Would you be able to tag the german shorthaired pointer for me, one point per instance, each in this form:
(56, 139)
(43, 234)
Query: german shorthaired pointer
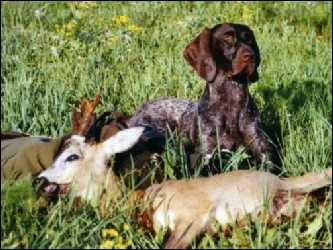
(227, 57)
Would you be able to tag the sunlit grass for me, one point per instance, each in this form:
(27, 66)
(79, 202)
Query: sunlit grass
(52, 54)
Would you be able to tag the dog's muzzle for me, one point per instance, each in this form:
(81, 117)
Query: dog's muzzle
(245, 64)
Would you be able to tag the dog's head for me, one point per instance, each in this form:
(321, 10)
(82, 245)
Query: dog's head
(229, 47)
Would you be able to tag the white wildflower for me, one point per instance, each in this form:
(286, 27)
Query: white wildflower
(54, 51)
(38, 13)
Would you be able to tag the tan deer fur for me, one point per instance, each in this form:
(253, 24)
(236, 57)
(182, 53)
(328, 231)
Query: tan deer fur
(186, 208)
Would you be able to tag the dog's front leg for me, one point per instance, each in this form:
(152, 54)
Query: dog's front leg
(254, 137)
(255, 140)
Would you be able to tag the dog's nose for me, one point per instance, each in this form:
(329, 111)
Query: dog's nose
(248, 56)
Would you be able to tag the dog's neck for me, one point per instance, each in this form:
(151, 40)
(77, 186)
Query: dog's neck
(224, 89)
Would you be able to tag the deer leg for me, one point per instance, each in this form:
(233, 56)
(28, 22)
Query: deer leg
(184, 234)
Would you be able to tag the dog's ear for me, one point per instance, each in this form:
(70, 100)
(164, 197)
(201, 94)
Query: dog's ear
(198, 54)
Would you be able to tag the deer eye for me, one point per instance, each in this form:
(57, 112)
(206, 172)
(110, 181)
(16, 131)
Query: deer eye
(73, 157)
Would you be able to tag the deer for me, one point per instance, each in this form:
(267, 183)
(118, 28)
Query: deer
(86, 124)
(186, 207)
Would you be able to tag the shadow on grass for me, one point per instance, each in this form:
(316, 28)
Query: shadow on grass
(295, 97)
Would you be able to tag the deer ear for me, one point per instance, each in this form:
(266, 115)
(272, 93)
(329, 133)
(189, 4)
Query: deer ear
(198, 54)
(122, 141)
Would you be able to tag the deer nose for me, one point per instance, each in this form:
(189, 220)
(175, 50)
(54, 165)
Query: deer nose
(41, 184)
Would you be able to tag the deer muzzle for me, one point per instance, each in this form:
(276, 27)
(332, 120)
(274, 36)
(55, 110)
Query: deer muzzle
(48, 189)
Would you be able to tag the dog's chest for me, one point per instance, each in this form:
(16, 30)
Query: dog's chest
(224, 100)
(230, 94)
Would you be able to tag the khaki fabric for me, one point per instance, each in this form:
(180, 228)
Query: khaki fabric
(26, 156)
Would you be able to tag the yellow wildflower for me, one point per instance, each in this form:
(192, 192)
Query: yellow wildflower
(126, 227)
(71, 25)
(123, 19)
(129, 243)
(141, 231)
(120, 19)
(121, 246)
(69, 34)
(113, 39)
(109, 232)
(120, 239)
(109, 41)
(57, 28)
(67, 29)
(134, 28)
(107, 244)
(113, 232)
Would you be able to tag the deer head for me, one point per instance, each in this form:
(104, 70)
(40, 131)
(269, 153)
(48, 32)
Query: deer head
(83, 166)
(82, 163)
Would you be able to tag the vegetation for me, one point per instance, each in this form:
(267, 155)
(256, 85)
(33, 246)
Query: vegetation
(52, 54)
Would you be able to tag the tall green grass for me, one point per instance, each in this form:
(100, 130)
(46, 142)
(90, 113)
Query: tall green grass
(45, 71)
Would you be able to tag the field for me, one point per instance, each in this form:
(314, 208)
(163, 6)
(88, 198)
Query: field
(52, 54)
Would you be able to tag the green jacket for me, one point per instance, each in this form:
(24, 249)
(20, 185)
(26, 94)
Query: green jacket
(23, 155)
(26, 156)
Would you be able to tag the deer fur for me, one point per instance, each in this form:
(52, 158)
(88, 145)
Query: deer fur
(190, 207)
(186, 208)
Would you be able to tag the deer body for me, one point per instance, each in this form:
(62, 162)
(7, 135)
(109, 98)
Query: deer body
(241, 192)
(189, 207)
(186, 207)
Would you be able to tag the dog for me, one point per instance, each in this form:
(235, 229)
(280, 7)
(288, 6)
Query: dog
(227, 57)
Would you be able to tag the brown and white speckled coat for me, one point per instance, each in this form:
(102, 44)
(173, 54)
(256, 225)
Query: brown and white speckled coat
(227, 57)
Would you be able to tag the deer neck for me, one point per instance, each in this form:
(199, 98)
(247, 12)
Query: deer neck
(143, 212)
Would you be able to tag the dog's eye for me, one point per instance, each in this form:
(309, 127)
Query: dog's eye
(228, 38)
(229, 33)
(73, 157)
(246, 37)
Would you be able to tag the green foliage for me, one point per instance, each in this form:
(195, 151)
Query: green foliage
(54, 53)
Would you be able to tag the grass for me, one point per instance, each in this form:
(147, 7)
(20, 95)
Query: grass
(54, 53)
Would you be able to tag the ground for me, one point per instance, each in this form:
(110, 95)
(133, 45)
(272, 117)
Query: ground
(54, 53)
